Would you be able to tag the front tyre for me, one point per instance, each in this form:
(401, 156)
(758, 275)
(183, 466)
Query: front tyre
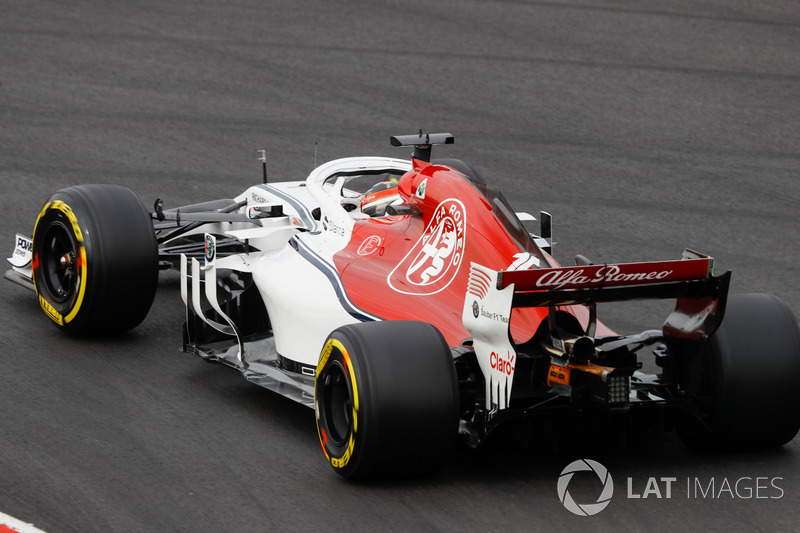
(386, 399)
(95, 259)
(752, 378)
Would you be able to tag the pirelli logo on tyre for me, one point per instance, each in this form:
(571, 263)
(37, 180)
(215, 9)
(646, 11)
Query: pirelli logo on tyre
(50, 311)
(434, 260)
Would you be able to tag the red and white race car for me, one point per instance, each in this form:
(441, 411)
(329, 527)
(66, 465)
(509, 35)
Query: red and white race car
(407, 303)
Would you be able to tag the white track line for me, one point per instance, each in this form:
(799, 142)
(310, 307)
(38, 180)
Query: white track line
(18, 525)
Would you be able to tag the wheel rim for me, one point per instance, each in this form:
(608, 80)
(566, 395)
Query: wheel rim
(60, 255)
(337, 404)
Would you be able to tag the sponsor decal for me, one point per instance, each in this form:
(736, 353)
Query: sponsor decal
(257, 198)
(433, 262)
(333, 227)
(556, 279)
(608, 275)
(24, 244)
(492, 316)
(370, 245)
(476, 309)
(503, 364)
(421, 189)
(23, 251)
(211, 248)
(585, 509)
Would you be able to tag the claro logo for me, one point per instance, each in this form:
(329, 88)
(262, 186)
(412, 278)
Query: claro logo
(432, 263)
(504, 365)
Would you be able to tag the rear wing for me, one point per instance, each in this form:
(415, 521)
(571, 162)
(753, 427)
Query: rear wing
(491, 295)
(685, 278)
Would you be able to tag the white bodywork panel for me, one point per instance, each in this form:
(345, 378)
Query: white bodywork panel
(294, 270)
(302, 304)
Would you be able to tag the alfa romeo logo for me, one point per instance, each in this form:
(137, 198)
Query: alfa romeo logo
(476, 309)
(585, 509)
(434, 261)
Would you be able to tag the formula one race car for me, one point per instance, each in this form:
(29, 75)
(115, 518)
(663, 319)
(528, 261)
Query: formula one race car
(407, 303)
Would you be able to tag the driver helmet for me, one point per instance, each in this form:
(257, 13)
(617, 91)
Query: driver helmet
(378, 197)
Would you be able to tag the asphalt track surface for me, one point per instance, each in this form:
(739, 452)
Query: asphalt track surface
(644, 127)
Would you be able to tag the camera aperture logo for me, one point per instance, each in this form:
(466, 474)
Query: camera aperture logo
(585, 509)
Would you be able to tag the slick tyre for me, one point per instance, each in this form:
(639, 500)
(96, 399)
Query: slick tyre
(95, 259)
(752, 372)
(386, 400)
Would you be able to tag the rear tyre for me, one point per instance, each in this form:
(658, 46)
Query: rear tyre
(752, 377)
(95, 259)
(386, 400)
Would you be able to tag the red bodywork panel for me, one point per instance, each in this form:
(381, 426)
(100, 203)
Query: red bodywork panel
(416, 267)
